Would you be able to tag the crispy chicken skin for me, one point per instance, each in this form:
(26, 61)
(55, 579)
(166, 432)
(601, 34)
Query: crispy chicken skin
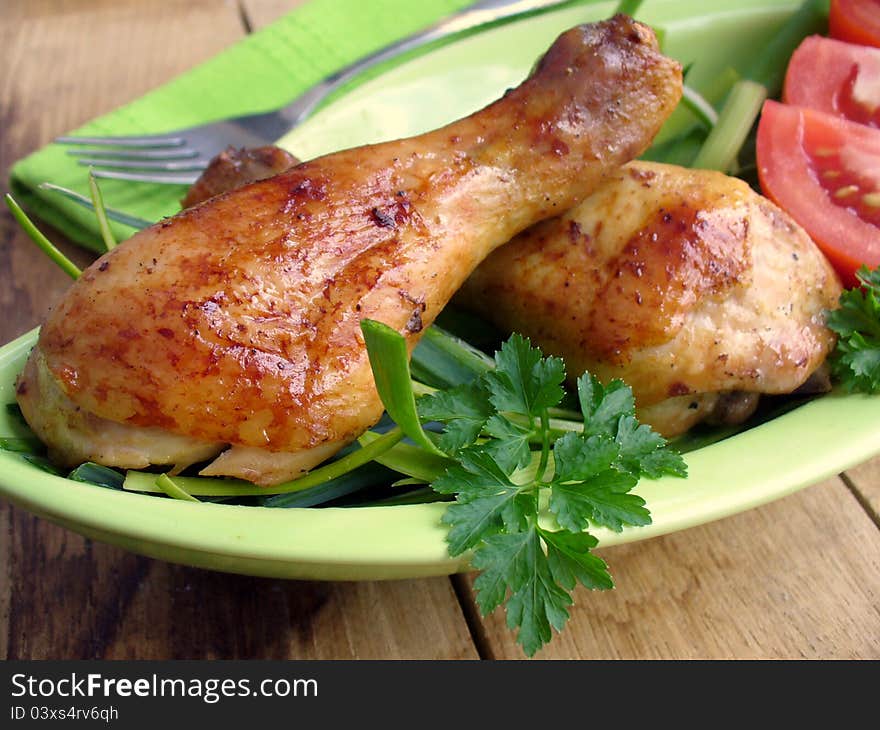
(233, 168)
(237, 321)
(684, 283)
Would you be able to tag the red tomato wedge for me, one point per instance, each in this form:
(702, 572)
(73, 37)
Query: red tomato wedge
(856, 21)
(835, 77)
(825, 172)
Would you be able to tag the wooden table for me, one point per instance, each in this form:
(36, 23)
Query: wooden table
(797, 578)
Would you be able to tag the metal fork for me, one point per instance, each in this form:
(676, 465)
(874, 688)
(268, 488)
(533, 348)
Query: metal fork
(178, 157)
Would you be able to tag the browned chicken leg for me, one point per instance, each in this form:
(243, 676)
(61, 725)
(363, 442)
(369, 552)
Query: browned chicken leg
(237, 322)
(684, 283)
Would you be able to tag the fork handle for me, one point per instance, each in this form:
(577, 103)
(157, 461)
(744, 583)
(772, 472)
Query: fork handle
(473, 16)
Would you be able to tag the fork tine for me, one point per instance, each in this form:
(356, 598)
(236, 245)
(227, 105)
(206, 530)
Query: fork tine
(145, 140)
(169, 165)
(174, 153)
(167, 178)
(112, 213)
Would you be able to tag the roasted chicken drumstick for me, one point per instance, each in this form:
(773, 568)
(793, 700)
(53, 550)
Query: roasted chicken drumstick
(692, 288)
(541, 285)
(236, 323)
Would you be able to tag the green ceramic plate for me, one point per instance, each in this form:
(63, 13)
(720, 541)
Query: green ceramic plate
(760, 465)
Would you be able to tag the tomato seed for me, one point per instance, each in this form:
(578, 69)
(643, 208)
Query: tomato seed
(846, 190)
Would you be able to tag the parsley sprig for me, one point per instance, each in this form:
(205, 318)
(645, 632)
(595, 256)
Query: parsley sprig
(526, 492)
(856, 361)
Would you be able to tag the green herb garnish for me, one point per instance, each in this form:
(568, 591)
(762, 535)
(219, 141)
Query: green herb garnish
(60, 260)
(111, 213)
(329, 471)
(738, 115)
(856, 360)
(101, 213)
(20, 445)
(628, 7)
(172, 489)
(101, 476)
(729, 132)
(503, 487)
(394, 384)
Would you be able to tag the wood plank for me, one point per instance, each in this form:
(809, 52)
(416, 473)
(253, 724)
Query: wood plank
(86, 600)
(7, 520)
(188, 613)
(798, 578)
(62, 596)
(865, 480)
(259, 13)
(103, 53)
(85, 79)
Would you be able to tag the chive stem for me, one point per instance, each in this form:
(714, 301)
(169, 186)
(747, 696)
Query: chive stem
(136, 481)
(545, 445)
(167, 485)
(408, 459)
(443, 360)
(101, 213)
(720, 150)
(628, 7)
(64, 263)
(389, 360)
(767, 70)
(770, 65)
(420, 389)
(113, 214)
(699, 107)
(20, 445)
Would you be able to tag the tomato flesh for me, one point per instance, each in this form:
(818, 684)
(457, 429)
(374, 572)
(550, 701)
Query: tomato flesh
(856, 21)
(845, 187)
(848, 85)
(825, 172)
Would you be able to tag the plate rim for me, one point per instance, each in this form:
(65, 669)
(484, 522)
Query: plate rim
(409, 540)
(153, 522)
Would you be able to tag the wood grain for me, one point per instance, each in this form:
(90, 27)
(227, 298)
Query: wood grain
(188, 613)
(108, 604)
(865, 483)
(7, 522)
(62, 596)
(65, 62)
(259, 13)
(799, 578)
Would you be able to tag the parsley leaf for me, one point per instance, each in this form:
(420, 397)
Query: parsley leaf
(603, 406)
(571, 561)
(856, 361)
(642, 451)
(464, 409)
(523, 381)
(602, 500)
(594, 475)
(510, 460)
(487, 501)
(517, 563)
(510, 443)
(578, 457)
(492, 424)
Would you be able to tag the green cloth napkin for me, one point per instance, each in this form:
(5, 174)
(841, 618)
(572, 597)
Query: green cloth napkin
(263, 71)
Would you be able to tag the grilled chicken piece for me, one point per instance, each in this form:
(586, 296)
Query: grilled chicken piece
(233, 168)
(684, 283)
(237, 321)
